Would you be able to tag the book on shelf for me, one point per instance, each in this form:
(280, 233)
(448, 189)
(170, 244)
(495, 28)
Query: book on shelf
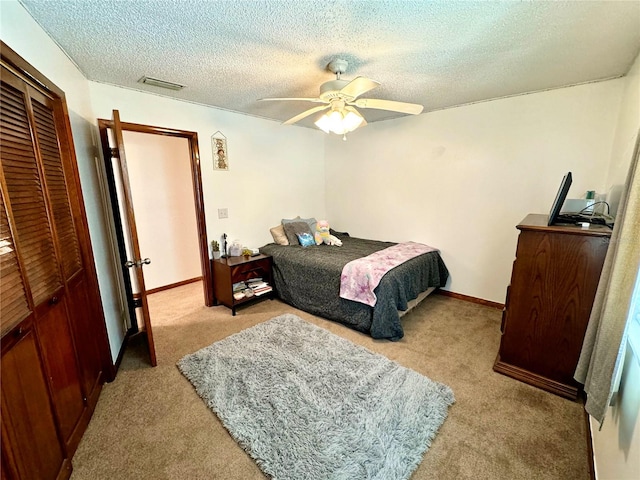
(248, 288)
(239, 286)
(262, 290)
(258, 286)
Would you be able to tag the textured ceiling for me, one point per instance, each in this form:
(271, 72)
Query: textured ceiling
(439, 54)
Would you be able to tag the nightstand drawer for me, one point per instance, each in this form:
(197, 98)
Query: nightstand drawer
(252, 269)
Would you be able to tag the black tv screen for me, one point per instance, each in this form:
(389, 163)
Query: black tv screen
(560, 198)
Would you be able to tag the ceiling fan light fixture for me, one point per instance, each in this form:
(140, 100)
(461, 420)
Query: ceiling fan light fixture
(323, 123)
(352, 121)
(339, 122)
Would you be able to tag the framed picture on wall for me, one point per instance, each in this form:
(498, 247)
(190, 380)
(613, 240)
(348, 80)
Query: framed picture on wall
(220, 152)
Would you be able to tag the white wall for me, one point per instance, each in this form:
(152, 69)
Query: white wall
(159, 169)
(21, 33)
(616, 447)
(461, 179)
(274, 172)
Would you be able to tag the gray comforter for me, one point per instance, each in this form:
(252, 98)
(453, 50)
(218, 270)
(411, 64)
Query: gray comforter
(309, 279)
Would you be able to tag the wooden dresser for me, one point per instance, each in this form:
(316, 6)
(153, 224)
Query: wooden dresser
(549, 300)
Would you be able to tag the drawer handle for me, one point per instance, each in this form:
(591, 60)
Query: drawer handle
(18, 333)
(54, 300)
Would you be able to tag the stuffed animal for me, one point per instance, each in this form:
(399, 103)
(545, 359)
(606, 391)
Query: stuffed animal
(323, 235)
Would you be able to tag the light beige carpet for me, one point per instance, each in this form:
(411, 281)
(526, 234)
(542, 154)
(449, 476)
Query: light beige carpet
(151, 424)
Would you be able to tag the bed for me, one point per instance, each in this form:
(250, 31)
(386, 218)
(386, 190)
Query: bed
(308, 278)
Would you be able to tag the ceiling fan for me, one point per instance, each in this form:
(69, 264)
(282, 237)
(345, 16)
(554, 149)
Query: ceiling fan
(340, 98)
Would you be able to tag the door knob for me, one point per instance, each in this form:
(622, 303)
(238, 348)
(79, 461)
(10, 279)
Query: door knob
(137, 263)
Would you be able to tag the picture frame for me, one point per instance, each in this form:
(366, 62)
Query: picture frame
(220, 151)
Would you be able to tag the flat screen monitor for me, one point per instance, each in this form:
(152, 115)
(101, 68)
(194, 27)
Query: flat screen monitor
(560, 198)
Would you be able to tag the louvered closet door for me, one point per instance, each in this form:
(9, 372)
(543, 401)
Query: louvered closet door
(39, 205)
(56, 183)
(60, 192)
(27, 417)
(25, 193)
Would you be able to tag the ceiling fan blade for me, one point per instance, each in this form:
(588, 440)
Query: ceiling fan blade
(314, 100)
(305, 114)
(393, 106)
(358, 86)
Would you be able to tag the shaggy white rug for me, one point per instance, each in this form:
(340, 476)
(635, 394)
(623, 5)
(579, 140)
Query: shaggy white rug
(307, 404)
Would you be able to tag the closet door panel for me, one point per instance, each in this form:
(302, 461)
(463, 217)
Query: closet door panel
(24, 188)
(60, 364)
(27, 417)
(54, 174)
(57, 169)
(86, 341)
(55, 329)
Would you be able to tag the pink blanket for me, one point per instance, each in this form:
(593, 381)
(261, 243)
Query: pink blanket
(360, 277)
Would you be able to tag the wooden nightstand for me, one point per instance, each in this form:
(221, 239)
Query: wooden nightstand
(231, 270)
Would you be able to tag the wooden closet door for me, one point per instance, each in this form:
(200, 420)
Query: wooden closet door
(55, 349)
(31, 446)
(57, 169)
(38, 208)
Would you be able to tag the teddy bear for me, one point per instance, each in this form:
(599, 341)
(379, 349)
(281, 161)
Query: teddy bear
(323, 235)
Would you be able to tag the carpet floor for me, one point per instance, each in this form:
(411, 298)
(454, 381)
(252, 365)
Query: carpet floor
(151, 424)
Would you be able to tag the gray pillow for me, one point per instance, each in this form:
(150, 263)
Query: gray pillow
(311, 221)
(292, 229)
(312, 224)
